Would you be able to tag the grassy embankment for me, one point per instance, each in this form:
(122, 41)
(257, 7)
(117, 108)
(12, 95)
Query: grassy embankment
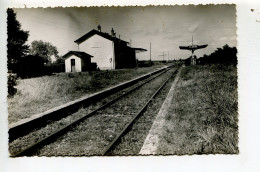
(93, 129)
(203, 118)
(37, 95)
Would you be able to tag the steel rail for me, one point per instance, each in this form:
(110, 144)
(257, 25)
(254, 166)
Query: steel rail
(40, 120)
(144, 108)
(52, 137)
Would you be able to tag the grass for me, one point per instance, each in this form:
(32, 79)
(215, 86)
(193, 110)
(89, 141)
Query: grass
(37, 95)
(203, 118)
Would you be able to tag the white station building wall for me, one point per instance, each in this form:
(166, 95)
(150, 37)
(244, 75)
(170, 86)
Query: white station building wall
(102, 51)
(77, 63)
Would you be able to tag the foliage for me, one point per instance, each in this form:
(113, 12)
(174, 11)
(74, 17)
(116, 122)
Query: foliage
(59, 60)
(16, 48)
(11, 85)
(225, 55)
(31, 66)
(145, 63)
(55, 67)
(44, 50)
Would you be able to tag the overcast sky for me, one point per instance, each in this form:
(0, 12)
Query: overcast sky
(166, 27)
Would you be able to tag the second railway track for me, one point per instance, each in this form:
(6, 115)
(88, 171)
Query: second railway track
(90, 134)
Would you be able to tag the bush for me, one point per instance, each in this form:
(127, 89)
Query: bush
(54, 68)
(11, 84)
(31, 66)
(145, 63)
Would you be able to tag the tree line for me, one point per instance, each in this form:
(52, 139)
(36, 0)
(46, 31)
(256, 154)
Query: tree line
(225, 55)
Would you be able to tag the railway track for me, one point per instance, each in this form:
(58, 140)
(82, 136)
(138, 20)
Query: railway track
(26, 150)
(25, 126)
(128, 126)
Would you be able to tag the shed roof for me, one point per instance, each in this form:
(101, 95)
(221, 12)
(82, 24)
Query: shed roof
(79, 54)
(104, 35)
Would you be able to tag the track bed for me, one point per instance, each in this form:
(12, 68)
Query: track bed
(96, 132)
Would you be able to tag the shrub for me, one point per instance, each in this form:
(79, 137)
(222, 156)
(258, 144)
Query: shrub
(145, 63)
(11, 84)
(31, 66)
(54, 68)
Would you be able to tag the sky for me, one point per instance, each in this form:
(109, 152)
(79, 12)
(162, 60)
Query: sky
(165, 27)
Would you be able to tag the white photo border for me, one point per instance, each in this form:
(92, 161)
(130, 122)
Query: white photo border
(248, 41)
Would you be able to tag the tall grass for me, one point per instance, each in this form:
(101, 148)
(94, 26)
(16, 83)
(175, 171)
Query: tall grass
(203, 118)
(37, 95)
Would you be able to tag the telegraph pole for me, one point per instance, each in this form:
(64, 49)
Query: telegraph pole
(163, 56)
(150, 51)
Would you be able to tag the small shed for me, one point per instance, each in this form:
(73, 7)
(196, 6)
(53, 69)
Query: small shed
(77, 61)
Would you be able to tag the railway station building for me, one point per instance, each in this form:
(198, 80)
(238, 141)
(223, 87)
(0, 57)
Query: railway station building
(107, 51)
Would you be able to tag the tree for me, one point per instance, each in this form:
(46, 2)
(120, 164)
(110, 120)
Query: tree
(224, 55)
(16, 48)
(44, 50)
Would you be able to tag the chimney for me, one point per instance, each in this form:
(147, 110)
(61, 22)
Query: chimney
(99, 28)
(113, 32)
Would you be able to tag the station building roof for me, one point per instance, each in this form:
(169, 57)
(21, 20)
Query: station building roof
(104, 35)
(79, 54)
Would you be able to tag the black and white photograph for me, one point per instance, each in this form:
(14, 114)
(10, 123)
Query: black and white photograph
(122, 81)
(129, 85)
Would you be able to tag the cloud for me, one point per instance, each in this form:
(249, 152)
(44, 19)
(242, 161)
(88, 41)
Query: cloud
(165, 27)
